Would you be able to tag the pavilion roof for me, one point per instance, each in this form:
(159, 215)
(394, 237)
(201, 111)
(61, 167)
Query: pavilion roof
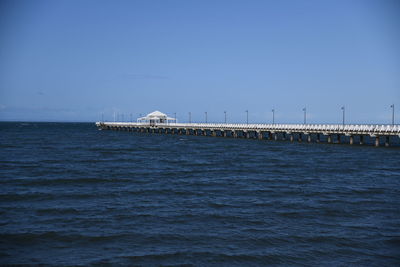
(156, 115)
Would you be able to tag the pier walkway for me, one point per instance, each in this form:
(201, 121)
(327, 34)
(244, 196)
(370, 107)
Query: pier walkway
(330, 133)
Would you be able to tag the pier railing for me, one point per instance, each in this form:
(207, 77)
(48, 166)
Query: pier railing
(366, 129)
(261, 130)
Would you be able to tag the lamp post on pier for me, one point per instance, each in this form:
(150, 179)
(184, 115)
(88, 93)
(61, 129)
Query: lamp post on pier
(392, 106)
(131, 117)
(273, 116)
(247, 117)
(305, 115)
(225, 116)
(175, 116)
(190, 117)
(206, 116)
(344, 111)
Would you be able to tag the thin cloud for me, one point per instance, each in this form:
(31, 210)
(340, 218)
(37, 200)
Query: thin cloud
(144, 77)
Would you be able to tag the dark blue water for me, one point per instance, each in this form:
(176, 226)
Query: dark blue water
(73, 195)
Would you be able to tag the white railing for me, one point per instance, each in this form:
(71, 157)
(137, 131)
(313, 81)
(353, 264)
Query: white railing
(306, 128)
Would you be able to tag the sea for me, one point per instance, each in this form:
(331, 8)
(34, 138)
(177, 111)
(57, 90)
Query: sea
(71, 195)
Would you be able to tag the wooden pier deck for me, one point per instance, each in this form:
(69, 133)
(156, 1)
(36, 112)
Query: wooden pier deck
(330, 133)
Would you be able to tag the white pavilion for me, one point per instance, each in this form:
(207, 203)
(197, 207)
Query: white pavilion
(156, 117)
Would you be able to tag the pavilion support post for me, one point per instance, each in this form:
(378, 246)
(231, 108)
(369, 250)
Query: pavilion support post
(276, 137)
(309, 138)
(291, 138)
(235, 134)
(351, 139)
(260, 135)
(270, 134)
(361, 139)
(214, 133)
(377, 142)
(329, 139)
(387, 139)
(300, 139)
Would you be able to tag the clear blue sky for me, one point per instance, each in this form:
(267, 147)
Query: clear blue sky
(74, 60)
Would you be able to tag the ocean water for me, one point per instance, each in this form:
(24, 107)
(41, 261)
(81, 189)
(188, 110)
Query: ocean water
(73, 195)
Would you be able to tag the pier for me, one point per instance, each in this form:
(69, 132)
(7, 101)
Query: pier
(160, 123)
(329, 133)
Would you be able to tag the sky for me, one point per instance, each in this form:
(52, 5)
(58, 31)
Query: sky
(84, 60)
